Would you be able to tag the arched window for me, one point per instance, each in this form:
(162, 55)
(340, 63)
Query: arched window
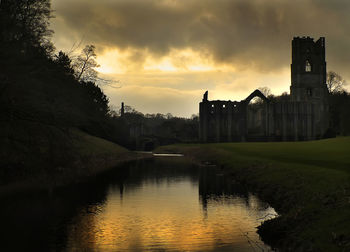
(307, 66)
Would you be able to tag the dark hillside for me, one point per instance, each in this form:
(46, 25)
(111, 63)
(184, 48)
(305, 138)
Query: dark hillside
(39, 106)
(44, 108)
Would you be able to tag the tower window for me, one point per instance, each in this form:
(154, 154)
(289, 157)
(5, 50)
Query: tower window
(307, 66)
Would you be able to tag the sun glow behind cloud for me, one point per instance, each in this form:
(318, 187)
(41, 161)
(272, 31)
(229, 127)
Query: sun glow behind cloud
(114, 61)
(176, 82)
(163, 66)
(176, 47)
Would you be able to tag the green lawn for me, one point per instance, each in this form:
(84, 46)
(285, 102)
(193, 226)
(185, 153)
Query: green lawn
(88, 145)
(307, 182)
(330, 153)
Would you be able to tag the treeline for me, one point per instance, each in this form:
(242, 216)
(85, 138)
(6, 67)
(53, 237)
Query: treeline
(145, 132)
(43, 88)
(43, 98)
(37, 85)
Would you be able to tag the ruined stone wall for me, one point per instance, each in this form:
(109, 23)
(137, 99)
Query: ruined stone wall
(227, 121)
(304, 117)
(294, 121)
(221, 121)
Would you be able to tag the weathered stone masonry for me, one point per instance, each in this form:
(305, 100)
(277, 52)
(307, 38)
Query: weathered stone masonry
(304, 116)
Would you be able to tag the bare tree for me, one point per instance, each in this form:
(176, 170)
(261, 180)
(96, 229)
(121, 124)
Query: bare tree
(335, 83)
(265, 90)
(84, 65)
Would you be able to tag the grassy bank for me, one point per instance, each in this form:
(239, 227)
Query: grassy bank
(307, 182)
(38, 156)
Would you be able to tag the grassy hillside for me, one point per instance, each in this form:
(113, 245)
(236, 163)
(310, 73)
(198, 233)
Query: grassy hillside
(40, 155)
(307, 182)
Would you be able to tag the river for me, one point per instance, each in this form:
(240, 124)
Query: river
(165, 204)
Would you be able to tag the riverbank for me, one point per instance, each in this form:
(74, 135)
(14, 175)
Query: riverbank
(308, 183)
(44, 157)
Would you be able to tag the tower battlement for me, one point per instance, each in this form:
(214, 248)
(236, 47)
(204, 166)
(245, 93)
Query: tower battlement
(308, 69)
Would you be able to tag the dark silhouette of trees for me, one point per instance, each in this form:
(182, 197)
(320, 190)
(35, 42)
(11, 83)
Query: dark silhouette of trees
(335, 83)
(98, 102)
(284, 97)
(139, 131)
(41, 89)
(42, 99)
(57, 90)
(130, 110)
(265, 91)
(84, 65)
(64, 62)
(24, 25)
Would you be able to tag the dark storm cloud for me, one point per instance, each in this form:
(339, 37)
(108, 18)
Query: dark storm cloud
(255, 33)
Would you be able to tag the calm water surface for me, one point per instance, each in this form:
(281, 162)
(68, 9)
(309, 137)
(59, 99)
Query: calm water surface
(162, 205)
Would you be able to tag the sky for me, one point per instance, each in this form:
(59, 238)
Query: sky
(164, 54)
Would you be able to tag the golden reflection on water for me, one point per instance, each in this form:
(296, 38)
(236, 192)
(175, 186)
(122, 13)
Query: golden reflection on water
(168, 216)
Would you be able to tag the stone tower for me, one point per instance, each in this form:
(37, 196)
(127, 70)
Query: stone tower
(308, 69)
(308, 79)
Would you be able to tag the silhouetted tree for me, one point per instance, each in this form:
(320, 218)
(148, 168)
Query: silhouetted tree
(64, 62)
(130, 110)
(24, 24)
(84, 65)
(157, 128)
(98, 102)
(195, 117)
(335, 83)
(284, 97)
(265, 90)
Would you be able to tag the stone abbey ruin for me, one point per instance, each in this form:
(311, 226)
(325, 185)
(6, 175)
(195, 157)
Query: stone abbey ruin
(302, 116)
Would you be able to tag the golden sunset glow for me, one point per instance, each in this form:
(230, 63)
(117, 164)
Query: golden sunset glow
(180, 224)
(229, 48)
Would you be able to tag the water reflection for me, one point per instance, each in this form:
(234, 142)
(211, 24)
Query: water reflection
(167, 204)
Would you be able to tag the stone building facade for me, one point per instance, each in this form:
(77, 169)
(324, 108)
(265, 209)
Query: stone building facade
(302, 116)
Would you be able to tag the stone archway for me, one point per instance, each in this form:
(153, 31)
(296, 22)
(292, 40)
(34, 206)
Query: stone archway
(256, 117)
(256, 93)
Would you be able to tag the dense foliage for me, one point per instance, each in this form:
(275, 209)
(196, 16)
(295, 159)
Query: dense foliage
(37, 85)
(145, 132)
(40, 87)
(42, 102)
(24, 27)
